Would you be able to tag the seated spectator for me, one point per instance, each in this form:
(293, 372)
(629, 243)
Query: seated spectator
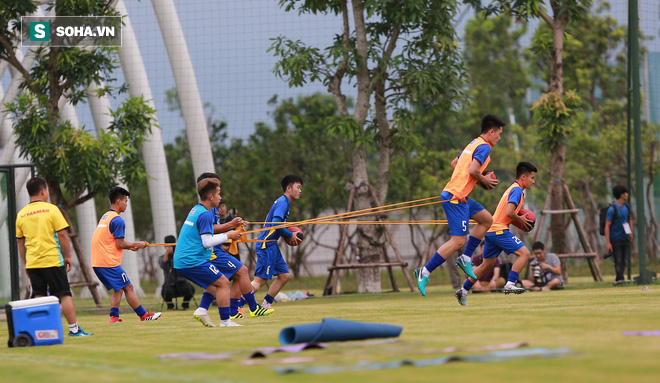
(491, 279)
(545, 270)
(174, 285)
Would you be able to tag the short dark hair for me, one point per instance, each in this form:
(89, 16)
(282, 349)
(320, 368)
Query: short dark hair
(170, 239)
(206, 186)
(36, 185)
(206, 175)
(116, 193)
(618, 190)
(538, 245)
(525, 168)
(491, 121)
(290, 180)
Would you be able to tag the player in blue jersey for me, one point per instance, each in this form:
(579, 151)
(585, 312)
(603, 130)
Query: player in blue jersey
(194, 248)
(231, 268)
(270, 261)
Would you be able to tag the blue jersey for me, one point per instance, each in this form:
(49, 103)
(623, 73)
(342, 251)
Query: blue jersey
(216, 221)
(617, 233)
(480, 153)
(280, 209)
(117, 227)
(190, 251)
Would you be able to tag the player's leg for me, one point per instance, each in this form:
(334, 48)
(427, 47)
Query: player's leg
(115, 301)
(279, 268)
(222, 297)
(484, 220)
(491, 251)
(134, 302)
(515, 246)
(56, 279)
(457, 219)
(262, 270)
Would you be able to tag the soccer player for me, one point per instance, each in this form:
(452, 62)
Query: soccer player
(270, 261)
(193, 249)
(108, 244)
(231, 268)
(468, 167)
(499, 238)
(43, 244)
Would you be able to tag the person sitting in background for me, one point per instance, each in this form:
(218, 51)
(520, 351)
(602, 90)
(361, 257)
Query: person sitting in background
(173, 285)
(545, 270)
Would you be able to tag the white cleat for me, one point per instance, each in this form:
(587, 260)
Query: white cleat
(229, 323)
(508, 289)
(265, 304)
(203, 316)
(461, 295)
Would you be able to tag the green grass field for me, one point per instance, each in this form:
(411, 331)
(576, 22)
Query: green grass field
(589, 318)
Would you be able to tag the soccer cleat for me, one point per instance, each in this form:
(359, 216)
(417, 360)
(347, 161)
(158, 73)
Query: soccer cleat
(422, 281)
(229, 323)
(238, 315)
(80, 332)
(461, 296)
(115, 320)
(508, 289)
(203, 316)
(261, 312)
(150, 316)
(466, 266)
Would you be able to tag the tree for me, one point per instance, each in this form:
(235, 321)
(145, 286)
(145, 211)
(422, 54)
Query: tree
(75, 163)
(387, 79)
(554, 115)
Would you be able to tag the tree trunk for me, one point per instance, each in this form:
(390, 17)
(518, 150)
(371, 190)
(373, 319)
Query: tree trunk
(558, 156)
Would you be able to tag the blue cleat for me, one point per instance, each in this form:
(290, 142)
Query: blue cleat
(80, 332)
(422, 281)
(466, 267)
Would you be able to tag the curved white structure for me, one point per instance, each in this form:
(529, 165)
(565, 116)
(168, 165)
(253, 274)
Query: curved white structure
(160, 193)
(186, 85)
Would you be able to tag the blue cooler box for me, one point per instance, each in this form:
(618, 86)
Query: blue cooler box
(34, 322)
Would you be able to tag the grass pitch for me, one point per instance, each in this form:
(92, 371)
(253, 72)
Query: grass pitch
(590, 321)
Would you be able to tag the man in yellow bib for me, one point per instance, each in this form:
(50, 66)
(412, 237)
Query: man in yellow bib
(43, 244)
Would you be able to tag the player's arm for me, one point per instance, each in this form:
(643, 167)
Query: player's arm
(608, 225)
(475, 171)
(65, 247)
(21, 249)
(231, 225)
(286, 233)
(454, 162)
(630, 237)
(126, 245)
(511, 213)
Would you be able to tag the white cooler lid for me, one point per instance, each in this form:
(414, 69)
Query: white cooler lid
(34, 302)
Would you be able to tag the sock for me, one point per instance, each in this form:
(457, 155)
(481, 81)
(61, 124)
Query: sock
(74, 328)
(233, 306)
(207, 299)
(269, 299)
(242, 301)
(140, 311)
(114, 312)
(224, 312)
(472, 244)
(249, 298)
(467, 285)
(433, 264)
(513, 278)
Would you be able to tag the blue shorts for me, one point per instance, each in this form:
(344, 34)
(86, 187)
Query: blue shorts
(505, 241)
(270, 262)
(113, 278)
(227, 264)
(458, 214)
(203, 275)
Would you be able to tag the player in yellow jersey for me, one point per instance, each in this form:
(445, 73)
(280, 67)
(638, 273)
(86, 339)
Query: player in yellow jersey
(499, 238)
(468, 167)
(43, 244)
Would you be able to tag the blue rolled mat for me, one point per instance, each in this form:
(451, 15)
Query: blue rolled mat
(332, 330)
